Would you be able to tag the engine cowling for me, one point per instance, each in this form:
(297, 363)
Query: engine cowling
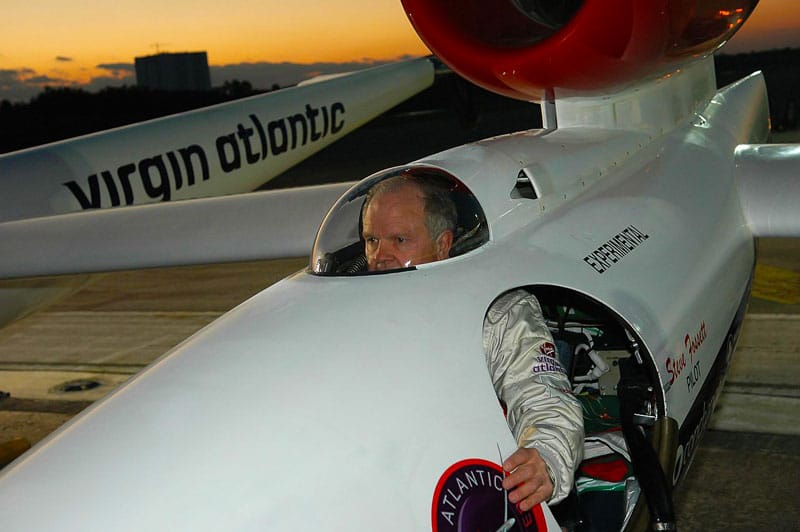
(540, 49)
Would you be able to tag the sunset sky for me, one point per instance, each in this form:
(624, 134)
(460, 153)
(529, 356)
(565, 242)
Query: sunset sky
(92, 43)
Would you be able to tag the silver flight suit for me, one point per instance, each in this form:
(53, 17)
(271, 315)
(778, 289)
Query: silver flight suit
(541, 410)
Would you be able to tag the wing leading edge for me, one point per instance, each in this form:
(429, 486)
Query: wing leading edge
(258, 225)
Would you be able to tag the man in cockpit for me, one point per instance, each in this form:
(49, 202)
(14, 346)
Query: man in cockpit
(408, 221)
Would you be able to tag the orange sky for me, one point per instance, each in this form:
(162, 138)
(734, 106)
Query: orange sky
(92, 32)
(57, 40)
(774, 24)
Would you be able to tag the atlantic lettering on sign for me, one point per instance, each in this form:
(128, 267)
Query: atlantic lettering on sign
(253, 140)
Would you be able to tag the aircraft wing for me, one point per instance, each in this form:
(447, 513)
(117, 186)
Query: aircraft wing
(216, 151)
(258, 225)
(769, 188)
(223, 149)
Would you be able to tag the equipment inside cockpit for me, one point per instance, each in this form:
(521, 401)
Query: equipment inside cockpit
(613, 377)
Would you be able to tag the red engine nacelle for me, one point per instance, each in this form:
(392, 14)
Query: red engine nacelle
(533, 49)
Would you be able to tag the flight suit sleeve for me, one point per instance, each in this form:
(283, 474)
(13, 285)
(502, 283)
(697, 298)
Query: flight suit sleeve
(527, 377)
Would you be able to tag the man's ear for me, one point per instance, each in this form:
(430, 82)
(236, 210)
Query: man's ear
(443, 244)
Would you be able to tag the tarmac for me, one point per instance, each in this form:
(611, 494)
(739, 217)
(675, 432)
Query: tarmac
(745, 476)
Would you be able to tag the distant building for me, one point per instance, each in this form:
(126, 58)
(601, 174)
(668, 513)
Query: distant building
(186, 71)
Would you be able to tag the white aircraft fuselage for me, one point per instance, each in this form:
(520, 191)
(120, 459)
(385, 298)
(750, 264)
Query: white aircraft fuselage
(338, 402)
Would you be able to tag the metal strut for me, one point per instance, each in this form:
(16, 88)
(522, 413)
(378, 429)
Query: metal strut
(633, 396)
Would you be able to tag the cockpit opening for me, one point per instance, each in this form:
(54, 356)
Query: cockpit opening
(439, 203)
(630, 442)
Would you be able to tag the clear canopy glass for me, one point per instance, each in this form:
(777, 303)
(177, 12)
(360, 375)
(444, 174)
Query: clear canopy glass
(339, 245)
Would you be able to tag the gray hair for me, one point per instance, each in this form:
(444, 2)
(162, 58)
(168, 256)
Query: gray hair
(440, 210)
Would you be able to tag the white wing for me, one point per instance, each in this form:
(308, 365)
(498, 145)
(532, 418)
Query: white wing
(224, 149)
(769, 188)
(258, 225)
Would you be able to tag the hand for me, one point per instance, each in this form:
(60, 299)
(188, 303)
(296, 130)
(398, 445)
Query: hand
(528, 482)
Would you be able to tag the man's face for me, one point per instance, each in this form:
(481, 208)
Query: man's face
(395, 232)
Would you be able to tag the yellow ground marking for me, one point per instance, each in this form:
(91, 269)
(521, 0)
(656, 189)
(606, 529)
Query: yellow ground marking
(777, 284)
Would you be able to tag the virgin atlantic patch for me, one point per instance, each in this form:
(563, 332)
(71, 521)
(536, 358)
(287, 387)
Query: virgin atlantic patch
(469, 497)
(548, 349)
(546, 361)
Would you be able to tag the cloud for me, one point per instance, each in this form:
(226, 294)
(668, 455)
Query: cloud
(117, 67)
(117, 72)
(63, 59)
(47, 80)
(19, 85)
(8, 77)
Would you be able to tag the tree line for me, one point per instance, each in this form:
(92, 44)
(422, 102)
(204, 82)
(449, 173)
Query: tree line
(63, 112)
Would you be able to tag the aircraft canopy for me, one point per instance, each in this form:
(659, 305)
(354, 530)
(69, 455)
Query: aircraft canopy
(339, 245)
